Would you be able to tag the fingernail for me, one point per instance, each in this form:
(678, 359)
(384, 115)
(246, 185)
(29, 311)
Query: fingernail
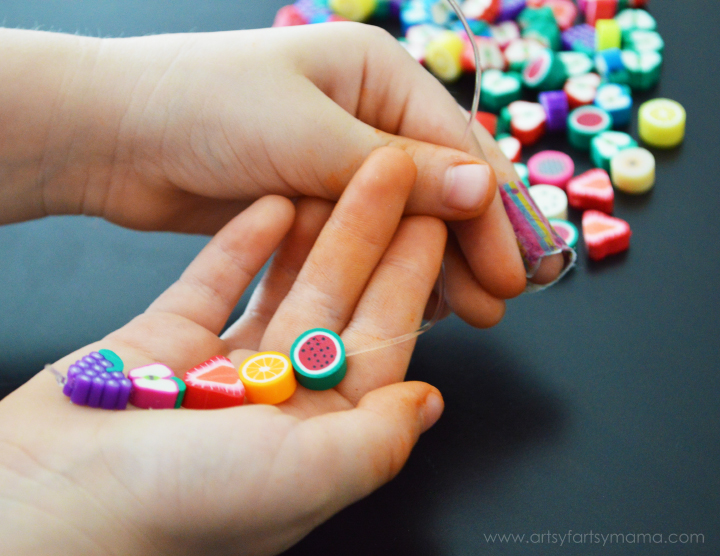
(466, 186)
(432, 410)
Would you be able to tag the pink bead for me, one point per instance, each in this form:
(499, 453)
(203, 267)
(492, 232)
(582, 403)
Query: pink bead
(288, 16)
(550, 167)
(153, 387)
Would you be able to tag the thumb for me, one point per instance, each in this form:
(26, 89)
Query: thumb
(352, 453)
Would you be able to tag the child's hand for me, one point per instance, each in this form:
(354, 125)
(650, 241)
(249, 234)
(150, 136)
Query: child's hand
(252, 479)
(180, 132)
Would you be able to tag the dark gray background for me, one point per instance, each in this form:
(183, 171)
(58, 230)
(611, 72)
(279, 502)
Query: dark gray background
(593, 407)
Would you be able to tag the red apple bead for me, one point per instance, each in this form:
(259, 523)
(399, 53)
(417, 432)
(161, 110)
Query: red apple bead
(511, 147)
(581, 89)
(527, 121)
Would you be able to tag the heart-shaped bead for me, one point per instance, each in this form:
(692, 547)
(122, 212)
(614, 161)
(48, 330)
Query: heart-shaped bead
(581, 89)
(527, 121)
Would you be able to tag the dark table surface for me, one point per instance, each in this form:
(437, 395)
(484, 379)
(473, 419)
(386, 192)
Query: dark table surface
(592, 408)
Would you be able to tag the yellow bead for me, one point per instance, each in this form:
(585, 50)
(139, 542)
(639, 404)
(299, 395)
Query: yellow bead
(633, 170)
(443, 54)
(662, 122)
(354, 10)
(607, 34)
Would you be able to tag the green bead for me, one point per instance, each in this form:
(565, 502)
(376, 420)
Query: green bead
(576, 63)
(629, 20)
(545, 72)
(587, 122)
(531, 16)
(503, 123)
(499, 89)
(641, 41)
(114, 358)
(643, 68)
(182, 388)
(547, 34)
(606, 145)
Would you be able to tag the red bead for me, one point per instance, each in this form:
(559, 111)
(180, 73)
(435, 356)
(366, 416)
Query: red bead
(527, 121)
(600, 9)
(591, 190)
(488, 121)
(604, 235)
(288, 16)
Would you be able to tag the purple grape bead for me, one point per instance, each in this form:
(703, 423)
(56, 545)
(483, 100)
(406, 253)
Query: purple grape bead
(510, 10)
(90, 383)
(556, 108)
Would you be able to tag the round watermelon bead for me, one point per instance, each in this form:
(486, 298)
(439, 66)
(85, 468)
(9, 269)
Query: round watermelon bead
(545, 72)
(318, 357)
(586, 122)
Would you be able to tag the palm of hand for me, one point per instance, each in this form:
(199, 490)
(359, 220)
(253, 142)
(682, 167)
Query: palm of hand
(261, 477)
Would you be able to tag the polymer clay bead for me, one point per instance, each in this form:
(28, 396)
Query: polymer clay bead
(318, 357)
(576, 63)
(288, 16)
(213, 384)
(604, 235)
(581, 90)
(630, 20)
(591, 190)
(354, 10)
(606, 145)
(610, 66)
(527, 121)
(268, 377)
(414, 12)
(633, 170)
(555, 104)
(510, 9)
(511, 147)
(442, 56)
(580, 38)
(586, 122)
(564, 11)
(566, 230)
(551, 168)
(545, 72)
(520, 51)
(96, 380)
(643, 68)
(617, 101)
(488, 121)
(546, 33)
(550, 200)
(155, 387)
(600, 9)
(499, 89)
(486, 10)
(607, 34)
(491, 57)
(532, 16)
(661, 122)
(641, 41)
(505, 32)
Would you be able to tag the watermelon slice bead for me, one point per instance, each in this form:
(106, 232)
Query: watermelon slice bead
(318, 357)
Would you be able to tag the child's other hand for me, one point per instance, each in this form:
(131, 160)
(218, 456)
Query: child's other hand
(252, 479)
(195, 127)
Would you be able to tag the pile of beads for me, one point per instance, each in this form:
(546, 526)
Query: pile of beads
(581, 61)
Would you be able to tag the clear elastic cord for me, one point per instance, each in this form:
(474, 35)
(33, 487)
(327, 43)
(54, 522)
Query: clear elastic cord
(476, 55)
(424, 328)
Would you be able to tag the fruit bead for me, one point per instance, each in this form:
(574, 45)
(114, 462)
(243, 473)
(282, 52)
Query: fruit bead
(268, 377)
(155, 386)
(600, 9)
(491, 57)
(97, 380)
(520, 51)
(642, 41)
(478, 27)
(510, 9)
(532, 16)
(564, 11)
(442, 56)
(633, 170)
(505, 33)
(662, 122)
(580, 38)
(586, 122)
(288, 16)
(604, 235)
(566, 230)
(213, 384)
(488, 121)
(318, 357)
(591, 190)
(607, 34)
(555, 104)
(414, 12)
(486, 10)
(354, 10)
(581, 90)
(527, 121)
(550, 168)
(643, 68)
(545, 72)
(617, 101)
(630, 20)
(606, 145)
(499, 89)
(610, 66)
(576, 63)
(550, 200)
(546, 33)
